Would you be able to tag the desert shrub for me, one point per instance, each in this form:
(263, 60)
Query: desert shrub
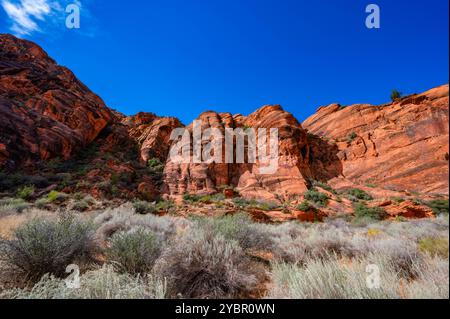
(304, 206)
(80, 205)
(267, 205)
(243, 203)
(25, 192)
(206, 199)
(431, 282)
(240, 228)
(78, 196)
(217, 197)
(55, 196)
(41, 202)
(155, 166)
(103, 283)
(401, 255)
(323, 185)
(203, 264)
(165, 205)
(107, 187)
(358, 194)
(415, 230)
(351, 137)
(439, 206)
(143, 207)
(395, 95)
(329, 279)
(44, 246)
(434, 246)
(134, 252)
(12, 206)
(363, 211)
(398, 200)
(191, 198)
(297, 243)
(13, 181)
(124, 218)
(324, 241)
(318, 198)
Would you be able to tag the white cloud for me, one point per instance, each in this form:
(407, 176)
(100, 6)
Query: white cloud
(28, 16)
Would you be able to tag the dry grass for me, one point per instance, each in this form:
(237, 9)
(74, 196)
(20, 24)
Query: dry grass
(221, 258)
(9, 223)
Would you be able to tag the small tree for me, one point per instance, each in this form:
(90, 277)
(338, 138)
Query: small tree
(395, 95)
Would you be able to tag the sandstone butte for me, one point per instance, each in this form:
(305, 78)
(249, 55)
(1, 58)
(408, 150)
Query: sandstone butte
(388, 150)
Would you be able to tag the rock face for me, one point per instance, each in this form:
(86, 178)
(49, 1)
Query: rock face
(398, 146)
(152, 133)
(45, 112)
(394, 150)
(288, 180)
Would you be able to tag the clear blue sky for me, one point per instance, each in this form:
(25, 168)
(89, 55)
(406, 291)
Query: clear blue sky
(182, 57)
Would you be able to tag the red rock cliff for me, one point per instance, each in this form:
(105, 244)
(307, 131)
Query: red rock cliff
(45, 111)
(399, 146)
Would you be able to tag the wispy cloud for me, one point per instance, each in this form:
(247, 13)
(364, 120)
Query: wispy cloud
(29, 16)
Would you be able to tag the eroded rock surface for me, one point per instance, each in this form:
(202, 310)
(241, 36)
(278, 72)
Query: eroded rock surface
(45, 111)
(399, 146)
(288, 180)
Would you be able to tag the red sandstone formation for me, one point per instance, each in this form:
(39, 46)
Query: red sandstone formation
(45, 111)
(394, 150)
(398, 146)
(152, 133)
(288, 181)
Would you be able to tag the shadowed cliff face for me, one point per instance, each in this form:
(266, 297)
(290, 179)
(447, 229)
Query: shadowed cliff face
(400, 146)
(46, 113)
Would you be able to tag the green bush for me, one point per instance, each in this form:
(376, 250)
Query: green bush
(81, 205)
(398, 200)
(143, 207)
(362, 211)
(243, 203)
(133, 252)
(54, 196)
(44, 246)
(318, 198)
(25, 192)
(395, 95)
(42, 202)
(358, 194)
(324, 186)
(304, 206)
(165, 205)
(439, 206)
(206, 199)
(434, 246)
(351, 137)
(155, 166)
(190, 198)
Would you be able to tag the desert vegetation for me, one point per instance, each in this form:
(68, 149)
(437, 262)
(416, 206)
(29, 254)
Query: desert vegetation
(126, 252)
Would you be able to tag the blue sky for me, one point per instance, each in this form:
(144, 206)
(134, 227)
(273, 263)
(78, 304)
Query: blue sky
(182, 57)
